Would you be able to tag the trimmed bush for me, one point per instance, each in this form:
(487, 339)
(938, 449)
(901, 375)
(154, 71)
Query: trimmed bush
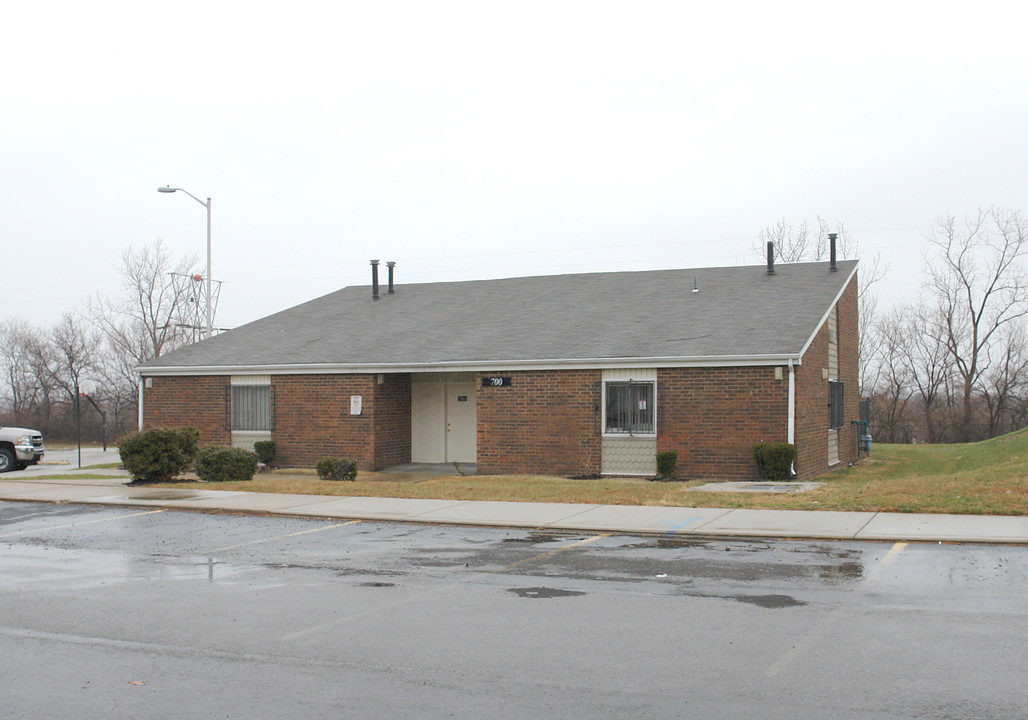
(159, 455)
(774, 460)
(265, 450)
(225, 464)
(667, 463)
(330, 468)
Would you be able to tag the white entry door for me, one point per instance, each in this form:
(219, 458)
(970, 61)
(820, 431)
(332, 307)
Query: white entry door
(428, 422)
(461, 423)
(443, 422)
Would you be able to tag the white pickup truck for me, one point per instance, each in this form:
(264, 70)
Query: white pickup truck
(19, 448)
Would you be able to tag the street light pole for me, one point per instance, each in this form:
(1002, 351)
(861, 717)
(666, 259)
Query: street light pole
(210, 309)
(78, 423)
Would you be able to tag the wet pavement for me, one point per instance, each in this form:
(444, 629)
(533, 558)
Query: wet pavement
(148, 612)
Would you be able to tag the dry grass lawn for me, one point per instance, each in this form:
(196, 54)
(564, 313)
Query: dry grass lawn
(989, 477)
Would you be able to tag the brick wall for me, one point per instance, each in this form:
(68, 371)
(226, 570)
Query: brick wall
(545, 422)
(392, 421)
(311, 415)
(200, 402)
(849, 371)
(312, 419)
(812, 394)
(712, 417)
(812, 409)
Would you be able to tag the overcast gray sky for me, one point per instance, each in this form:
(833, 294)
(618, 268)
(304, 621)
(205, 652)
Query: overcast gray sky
(468, 140)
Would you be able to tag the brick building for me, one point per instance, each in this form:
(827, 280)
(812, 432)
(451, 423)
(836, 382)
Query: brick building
(571, 375)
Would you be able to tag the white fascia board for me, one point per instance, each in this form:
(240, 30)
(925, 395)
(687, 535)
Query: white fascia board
(477, 366)
(828, 312)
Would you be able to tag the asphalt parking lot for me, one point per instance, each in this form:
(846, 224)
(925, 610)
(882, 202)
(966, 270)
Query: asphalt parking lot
(158, 613)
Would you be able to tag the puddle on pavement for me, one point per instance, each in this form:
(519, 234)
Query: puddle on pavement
(773, 602)
(539, 538)
(543, 592)
(29, 566)
(852, 570)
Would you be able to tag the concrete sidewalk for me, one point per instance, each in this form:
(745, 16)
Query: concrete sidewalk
(678, 521)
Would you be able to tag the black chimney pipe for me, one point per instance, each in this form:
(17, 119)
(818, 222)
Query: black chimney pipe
(831, 247)
(390, 265)
(770, 258)
(374, 279)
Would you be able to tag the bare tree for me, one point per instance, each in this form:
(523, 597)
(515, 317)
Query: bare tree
(980, 286)
(892, 391)
(40, 361)
(15, 347)
(73, 346)
(930, 371)
(802, 243)
(799, 243)
(117, 391)
(144, 321)
(1006, 378)
(40, 369)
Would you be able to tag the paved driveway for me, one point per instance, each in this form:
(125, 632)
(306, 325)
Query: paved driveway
(57, 461)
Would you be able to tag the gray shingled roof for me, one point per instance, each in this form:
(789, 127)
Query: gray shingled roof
(738, 312)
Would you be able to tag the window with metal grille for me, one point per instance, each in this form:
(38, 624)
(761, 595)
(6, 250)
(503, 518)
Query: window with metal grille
(251, 407)
(629, 408)
(836, 396)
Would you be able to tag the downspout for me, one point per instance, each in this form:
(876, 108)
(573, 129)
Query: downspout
(792, 411)
(139, 412)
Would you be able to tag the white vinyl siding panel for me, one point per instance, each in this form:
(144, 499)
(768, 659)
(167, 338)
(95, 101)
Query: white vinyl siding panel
(833, 344)
(251, 380)
(628, 456)
(244, 439)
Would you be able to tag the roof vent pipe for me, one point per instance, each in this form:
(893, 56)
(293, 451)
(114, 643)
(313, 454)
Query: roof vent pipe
(374, 279)
(390, 265)
(831, 245)
(770, 258)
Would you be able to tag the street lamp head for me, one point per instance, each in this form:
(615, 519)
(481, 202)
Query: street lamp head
(166, 189)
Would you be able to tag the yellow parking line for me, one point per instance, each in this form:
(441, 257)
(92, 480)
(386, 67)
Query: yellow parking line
(415, 598)
(79, 524)
(833, 617)
(281, 537)
(893, 552)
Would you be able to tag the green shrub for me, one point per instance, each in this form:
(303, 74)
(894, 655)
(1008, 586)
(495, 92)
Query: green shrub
(774, 460)
(330, 468)
(265, 450)
(225, 464)
(159, 455)
(667, 462)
